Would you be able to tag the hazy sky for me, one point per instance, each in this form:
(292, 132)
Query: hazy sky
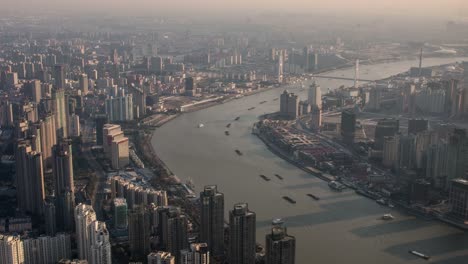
(418, 7)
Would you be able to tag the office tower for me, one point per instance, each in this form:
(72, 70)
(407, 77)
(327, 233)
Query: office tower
(385, 128)
(160, 257)
(348, 126)
(120, 108)
(74, 125)
(437, 164)
(289, 105)
(458, 199)
(60, 112)
(100, 244)
(83, 82)
(33, 90)
(304, 108)
(156, 64)
(407, 152)
(212, 219)
(315, 118)
(11, 79)
(64, 187)
(242, 235)
(120, 213)
(457, 154)
(47, 249)
(29, 179)
(139, 232)
(306, 59)
(315, 95)
(11, 250)
(280, 248)
(84, 217)
(50, 218)
(390, 151)
(139, 96)
(120, 157)
(174, 231)
(375, 96)
(59, 76)
(197, 254)
(190, 88)
(416, 126)
(48, 138)
(100, 121)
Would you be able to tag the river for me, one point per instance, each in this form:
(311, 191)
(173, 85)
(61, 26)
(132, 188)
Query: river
(341, 227)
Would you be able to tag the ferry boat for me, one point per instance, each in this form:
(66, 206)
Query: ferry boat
(265, 177)
(239, 152)
(387, 217)
(419, 254)
(200, 125)
(289, 199)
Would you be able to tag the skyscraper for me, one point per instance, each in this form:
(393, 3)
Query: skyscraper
(100, 120)
(64, 187)
(280, 247)
(100, 244)
(120, 108)
(160, 257)
(289, 105)
(11, 250)
(315, 95)
(84, 217)
(174, 231)
(306, 59)
(59, 76)
(156, 64)
(33, 90)
(120, 213)
(348, 126)
(29, 179)
(47, 249)
(139, 232)
(60, 112)
(212, 219)
(242, 235)
(197, 254)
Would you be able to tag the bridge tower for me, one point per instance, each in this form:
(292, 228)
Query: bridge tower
(356, 74)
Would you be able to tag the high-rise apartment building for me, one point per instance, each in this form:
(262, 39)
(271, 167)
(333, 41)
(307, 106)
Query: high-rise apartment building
(100, 244)
(11, 250)
(83, 84)
(60, 111)
(160, 257)
(47, 249)
(242, 235)
(289, 105)
(84, 217)
(197, 254)
(279, 246)
(315, 95)
(212, 219)
(120, 108)
(64, 186)
(348, 126)
(29, 179)
(139, 232)
(59, 76)
(120, 213)
(174, 231)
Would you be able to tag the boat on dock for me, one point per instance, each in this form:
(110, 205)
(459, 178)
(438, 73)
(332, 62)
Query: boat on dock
(336, 186)
(289, 199)
(239, 152)
(279, 176)
(419, 254)
(313, 197)
(265, 177)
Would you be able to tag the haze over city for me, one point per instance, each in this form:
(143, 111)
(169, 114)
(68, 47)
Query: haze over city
(233, 132)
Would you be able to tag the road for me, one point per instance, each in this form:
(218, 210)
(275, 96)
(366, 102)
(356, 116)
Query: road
(98, 195)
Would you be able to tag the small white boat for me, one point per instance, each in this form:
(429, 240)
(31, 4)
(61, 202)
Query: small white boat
(200, 125)
(387, 217)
